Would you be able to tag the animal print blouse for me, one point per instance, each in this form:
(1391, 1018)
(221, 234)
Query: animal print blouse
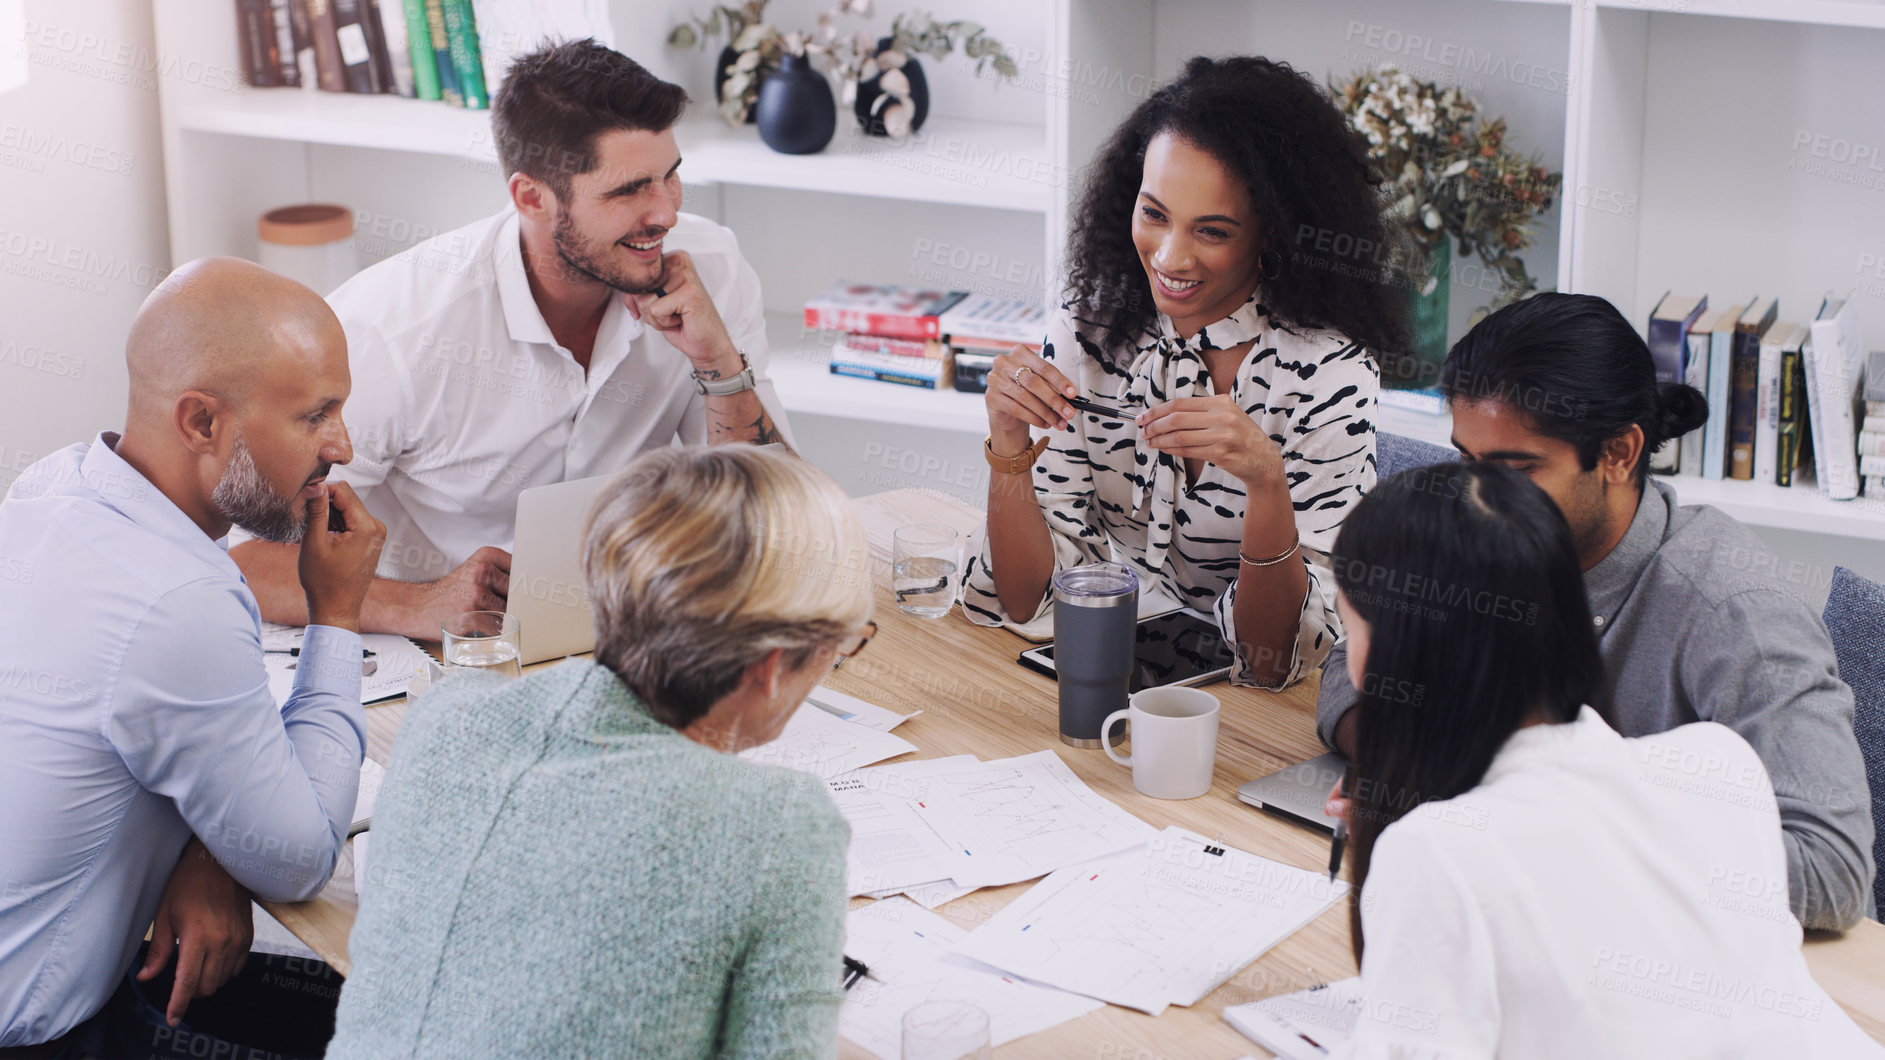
(1108, 495)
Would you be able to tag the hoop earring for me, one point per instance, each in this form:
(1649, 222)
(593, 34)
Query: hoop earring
(1274, 271)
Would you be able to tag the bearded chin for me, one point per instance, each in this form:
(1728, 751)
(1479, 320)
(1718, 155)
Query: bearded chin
(578, 260)
(246, 499)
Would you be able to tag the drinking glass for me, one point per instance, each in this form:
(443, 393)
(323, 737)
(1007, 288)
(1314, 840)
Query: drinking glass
(487, 641)
(945, 1030)
(923, 564)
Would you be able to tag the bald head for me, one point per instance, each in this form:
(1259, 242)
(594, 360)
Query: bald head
(238, 377)
(224, 326)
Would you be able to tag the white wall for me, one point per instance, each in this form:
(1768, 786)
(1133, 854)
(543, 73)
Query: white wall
(82, 231)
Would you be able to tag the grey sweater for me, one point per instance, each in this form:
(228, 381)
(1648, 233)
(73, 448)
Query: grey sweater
(555, 873)
(1695, 625)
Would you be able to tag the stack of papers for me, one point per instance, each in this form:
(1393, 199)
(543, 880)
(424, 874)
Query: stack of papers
(1162, 924)
(1307, 1025)
(395, 661)
(936, 830)
(909, 952)
(818, 742)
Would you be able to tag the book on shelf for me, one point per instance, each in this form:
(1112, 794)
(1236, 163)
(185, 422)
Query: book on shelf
(258, 43)
(972, 368)
(1874, 408)
(1669, 322)
(1871, 443)
(1307, 1025)
(442, 53)
(1668, 328)
(1720, 391)
(1795, 454)
(461, 33)
(1744, 381)
(911, 371)
(1875, 486)
(889, 346)
(1783, 334)
(288, 39)
(385, 23)
(1874, 386)
(425, 66)
(356, 52)
(1872, 466)
(330, 72)
(301, 36)
(984, 321)
(881, 309)
(1695, 373)
(1835, 354)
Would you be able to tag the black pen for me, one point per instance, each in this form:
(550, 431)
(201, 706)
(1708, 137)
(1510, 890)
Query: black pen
(365, 653)
(854, 970)
(1341, 833)
(1096, 408)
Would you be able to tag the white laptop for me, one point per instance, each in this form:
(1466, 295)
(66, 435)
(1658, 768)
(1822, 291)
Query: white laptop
(1297, 792)
(547, 593)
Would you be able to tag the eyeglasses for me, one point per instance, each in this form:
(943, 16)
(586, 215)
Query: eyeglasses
(855, 645)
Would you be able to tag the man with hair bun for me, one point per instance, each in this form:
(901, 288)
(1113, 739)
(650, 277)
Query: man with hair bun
(586, 322)
(1693, 622)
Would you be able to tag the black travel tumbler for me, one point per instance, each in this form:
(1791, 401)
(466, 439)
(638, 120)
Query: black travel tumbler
(1095, 608)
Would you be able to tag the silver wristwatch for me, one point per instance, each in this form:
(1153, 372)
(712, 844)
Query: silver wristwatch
(742, 380)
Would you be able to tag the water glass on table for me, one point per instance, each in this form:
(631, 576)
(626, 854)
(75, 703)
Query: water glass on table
(486, 641)
(924, 560)
(945, 1030)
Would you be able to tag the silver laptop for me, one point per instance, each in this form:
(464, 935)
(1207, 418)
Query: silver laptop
(547, 593)
(1298, 791)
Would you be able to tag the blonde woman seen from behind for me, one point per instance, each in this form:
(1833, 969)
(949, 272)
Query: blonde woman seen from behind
(575, 863)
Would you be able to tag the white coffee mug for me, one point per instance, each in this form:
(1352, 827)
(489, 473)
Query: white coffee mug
(1174, 741)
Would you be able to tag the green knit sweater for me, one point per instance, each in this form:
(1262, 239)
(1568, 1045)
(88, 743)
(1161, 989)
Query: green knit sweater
(554, 873)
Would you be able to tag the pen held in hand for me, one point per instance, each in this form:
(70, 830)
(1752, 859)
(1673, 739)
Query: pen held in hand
(1098, 409)
(1341, 831)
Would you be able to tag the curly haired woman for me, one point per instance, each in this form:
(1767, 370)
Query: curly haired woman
(1241, 371)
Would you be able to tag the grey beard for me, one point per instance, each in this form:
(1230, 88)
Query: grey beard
(246, 499)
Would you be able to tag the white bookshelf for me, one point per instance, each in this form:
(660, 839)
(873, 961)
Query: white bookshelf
(1674, 123)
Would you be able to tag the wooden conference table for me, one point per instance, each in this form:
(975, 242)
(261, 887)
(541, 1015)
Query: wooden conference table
(976, 700)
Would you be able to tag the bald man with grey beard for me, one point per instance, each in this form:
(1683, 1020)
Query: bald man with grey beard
(150, 778)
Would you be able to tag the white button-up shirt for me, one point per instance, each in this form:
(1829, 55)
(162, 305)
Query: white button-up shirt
(462, 398)
(1594, 896)
(134, 711)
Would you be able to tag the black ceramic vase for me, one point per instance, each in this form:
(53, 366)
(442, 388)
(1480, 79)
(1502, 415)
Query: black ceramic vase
(868, 91)
(796, 113)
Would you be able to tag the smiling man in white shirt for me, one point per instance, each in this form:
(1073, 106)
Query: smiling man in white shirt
(586, 322)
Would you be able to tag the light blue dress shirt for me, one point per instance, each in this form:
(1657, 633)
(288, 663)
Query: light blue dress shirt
(134, 710)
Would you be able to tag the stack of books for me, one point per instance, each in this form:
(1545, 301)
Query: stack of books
(422, 49)
(1872, 429)
(920, 336)
(981, 328)
(1783, 396)
(885, 332)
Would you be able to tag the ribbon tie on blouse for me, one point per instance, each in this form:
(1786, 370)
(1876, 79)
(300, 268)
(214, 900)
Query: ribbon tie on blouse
(1170, 369)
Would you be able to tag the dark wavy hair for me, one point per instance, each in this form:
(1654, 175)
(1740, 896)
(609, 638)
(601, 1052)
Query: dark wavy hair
(1307, 174)
(1470, 584)
(556, 100)
(1579, 372)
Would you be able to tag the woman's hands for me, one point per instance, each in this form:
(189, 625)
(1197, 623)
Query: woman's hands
(1034, 400)
(1216, 430)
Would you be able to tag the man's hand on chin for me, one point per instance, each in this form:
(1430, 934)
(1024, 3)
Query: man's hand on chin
(685, 315)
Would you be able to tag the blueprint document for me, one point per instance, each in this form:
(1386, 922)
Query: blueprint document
(817, 742)
(1018, 818)
(1161, 924)
(908, 950)
(891, 848)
